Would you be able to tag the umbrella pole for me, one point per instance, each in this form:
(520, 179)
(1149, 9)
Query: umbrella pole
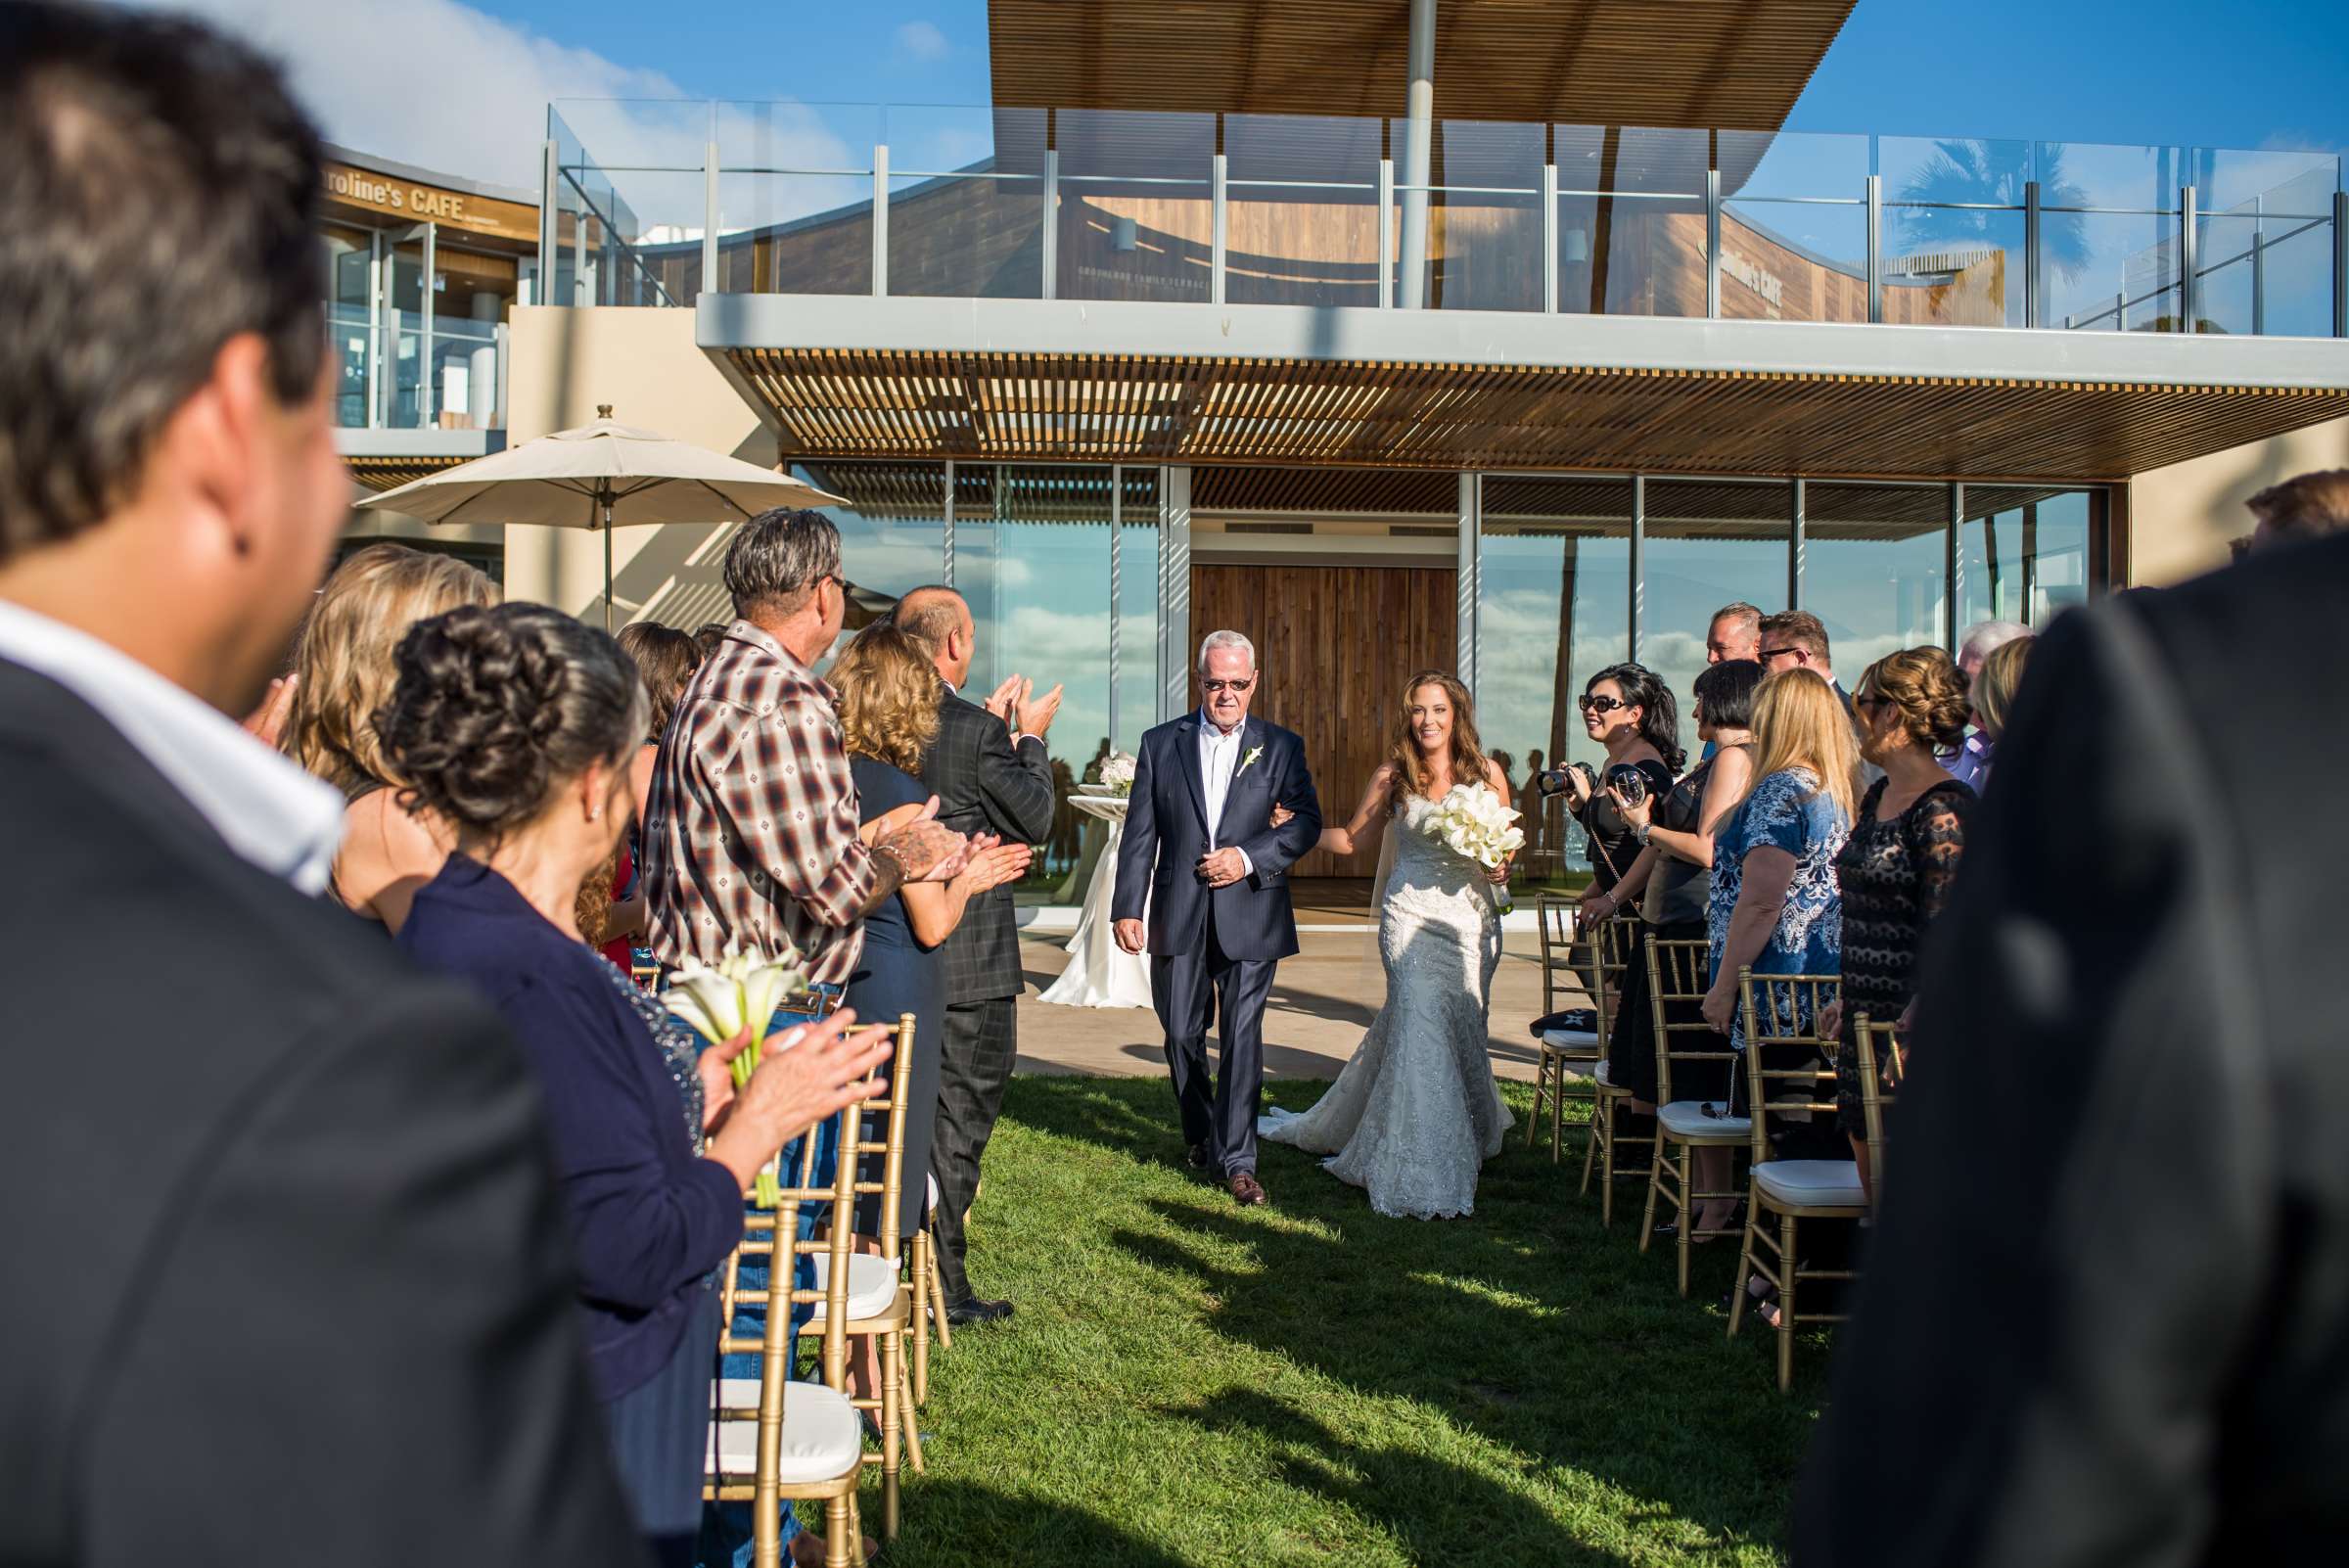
(607, 563)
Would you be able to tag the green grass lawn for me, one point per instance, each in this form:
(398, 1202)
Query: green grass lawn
(1187, 1383)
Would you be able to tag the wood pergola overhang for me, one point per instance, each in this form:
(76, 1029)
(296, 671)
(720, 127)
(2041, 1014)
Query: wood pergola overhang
(1025, 381)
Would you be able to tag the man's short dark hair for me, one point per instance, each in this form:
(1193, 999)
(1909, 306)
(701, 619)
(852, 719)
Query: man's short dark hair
(2305, 506)
(1797, 628)
(930, 615)
(158, 195)
(777, 558)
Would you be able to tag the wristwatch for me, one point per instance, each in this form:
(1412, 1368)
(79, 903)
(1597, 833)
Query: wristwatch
(1642, 831)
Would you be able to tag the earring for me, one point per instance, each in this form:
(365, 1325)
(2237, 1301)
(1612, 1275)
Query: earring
(595, 813)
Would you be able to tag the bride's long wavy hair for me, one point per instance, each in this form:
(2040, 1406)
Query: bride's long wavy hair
(1468, 765)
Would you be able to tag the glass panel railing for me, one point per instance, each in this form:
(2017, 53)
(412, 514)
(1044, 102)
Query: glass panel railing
(1138, 206)
(397, 375)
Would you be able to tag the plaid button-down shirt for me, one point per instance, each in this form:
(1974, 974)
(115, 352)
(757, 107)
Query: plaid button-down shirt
(750, 836)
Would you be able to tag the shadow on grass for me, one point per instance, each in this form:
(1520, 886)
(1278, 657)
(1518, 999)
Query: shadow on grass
(1438, 1512)
(952, 1522)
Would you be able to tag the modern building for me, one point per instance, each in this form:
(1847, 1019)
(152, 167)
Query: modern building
(1507, 338)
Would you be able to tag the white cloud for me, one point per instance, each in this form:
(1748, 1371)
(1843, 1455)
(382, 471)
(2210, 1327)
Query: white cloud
(922, 41)
(473, 101)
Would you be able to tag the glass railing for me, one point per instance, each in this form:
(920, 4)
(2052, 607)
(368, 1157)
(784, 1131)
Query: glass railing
(654, 201)
(402, 372)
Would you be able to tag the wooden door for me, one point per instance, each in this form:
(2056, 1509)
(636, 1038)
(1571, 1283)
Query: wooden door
(1335, 646)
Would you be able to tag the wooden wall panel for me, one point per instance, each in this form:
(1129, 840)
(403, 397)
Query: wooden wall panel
(1335, 645)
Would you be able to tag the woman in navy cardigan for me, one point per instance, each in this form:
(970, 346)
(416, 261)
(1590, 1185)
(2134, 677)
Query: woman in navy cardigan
(517, 725)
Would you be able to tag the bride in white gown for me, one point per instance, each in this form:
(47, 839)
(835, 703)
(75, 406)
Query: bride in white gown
(1416, 1113)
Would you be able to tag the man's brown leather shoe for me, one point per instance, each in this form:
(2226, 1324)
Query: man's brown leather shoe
(1247, 1191)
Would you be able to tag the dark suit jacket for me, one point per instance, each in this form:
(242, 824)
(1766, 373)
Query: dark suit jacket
(2104, 1320)
(1166, 834)
(984, 785)
(286, 1280)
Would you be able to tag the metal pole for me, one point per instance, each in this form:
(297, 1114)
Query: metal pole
(1219, 216)
(424, 348)
(2340, 264)
(1550, 236)
(1952, 585)
(880, 221)
(375, 329)
(709, 278)
(1419, 104)
(1875, 248)
(1796, 547)
(606, 565)
(947, 542)
(1116, 532)
(1464, 582)
(2035, 278)
(2190, 283)
(1175, 591)
(1052, 287)
(550, 253)
(1386, 233)
(1713, 245)
(1638, 587)
(2259, 266)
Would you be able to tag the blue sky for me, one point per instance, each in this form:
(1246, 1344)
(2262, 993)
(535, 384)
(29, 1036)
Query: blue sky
(2212, 73)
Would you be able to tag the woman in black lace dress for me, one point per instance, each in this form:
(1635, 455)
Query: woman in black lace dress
(1897, 867)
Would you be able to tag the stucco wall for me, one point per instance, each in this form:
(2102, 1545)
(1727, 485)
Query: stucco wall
(2182, 517)
(643, 362)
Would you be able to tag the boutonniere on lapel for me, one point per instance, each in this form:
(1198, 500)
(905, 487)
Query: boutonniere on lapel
(1248, 761)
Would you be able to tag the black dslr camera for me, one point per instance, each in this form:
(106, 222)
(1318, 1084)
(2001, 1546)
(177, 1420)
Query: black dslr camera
(1553, 781)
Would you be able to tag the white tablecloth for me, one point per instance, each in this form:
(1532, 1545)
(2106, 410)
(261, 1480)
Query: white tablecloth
(1099, 973)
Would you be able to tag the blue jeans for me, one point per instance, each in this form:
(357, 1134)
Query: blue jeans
(733, 1525)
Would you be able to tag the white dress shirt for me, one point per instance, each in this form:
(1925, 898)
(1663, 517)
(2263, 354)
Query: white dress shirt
(267, 809)
(1219, 756)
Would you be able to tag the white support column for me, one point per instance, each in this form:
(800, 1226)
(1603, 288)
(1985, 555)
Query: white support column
(1386, 233)
(1471, 528)
(1713, 245)
(1117, 574)
(1174, 591)
(426, 381)
(1637, 609)
(550, 175)
(375, 322)
(2035, 276)
(709, 280)
(1419, 104)
(946, 544)
(1875, 248)
(1051, 230)
(1796, 547)
(1550, 236)
(1218, 228)
(2190, 265)
(880, 221)
(1953, 581)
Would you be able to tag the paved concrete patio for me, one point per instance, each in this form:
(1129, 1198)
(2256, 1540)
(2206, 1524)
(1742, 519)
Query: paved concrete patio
(1322, 1001)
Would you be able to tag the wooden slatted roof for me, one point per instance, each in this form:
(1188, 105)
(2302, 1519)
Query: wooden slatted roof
(1730, 64)
(1102, 408)
(389, 473)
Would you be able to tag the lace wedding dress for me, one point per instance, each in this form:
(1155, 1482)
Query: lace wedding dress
(1415, 1112)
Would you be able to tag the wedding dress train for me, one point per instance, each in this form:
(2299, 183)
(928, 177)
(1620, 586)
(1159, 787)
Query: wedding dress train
(1416, 1113)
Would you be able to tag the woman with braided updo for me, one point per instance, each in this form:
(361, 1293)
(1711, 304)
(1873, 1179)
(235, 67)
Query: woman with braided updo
(1896, 870)
(516, 726)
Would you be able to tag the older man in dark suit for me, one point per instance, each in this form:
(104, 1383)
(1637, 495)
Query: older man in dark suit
(992, 774)
(2104, 1320)
(286, 1277)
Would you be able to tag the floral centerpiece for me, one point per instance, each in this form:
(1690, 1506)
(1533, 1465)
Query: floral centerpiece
(739, 991)
(1117, 772)
(1474, 822)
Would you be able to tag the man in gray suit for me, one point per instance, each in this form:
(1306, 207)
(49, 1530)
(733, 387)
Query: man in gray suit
(992, 774)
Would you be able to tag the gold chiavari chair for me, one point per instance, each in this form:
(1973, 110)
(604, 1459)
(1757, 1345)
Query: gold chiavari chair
(1883, 1066)
(1677, 974)
(880, 1306)
(774, 1437)
(1611, 946)
(929, 1298)
(1568, 1065)
(1775, 1007)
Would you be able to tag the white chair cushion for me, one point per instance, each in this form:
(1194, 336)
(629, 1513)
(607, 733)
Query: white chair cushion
(1811, 1183)
(1687, 1119)
(822, 1439)
(872, 1284)
(1571, 1040)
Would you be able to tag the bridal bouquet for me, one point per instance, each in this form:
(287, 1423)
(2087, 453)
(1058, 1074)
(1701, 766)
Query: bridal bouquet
(720, 1001)
(1117, 772)
(1473, 822)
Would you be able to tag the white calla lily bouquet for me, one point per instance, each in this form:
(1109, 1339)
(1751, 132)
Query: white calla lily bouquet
(739, 991)
(1473, 822)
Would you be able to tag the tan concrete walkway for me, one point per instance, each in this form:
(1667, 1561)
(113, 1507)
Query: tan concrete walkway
(1322, 1001)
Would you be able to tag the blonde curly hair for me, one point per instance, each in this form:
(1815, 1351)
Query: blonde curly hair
(889, 697)
(344, 657)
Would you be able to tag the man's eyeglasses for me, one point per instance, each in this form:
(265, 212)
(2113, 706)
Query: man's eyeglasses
(1768, 654)
(1599, 704)
(1235, 687)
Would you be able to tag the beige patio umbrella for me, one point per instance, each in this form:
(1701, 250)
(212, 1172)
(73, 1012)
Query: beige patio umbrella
(601, 475)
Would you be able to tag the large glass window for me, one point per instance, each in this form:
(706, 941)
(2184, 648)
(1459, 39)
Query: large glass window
(1706, 543)
(1875, 560)
(1137, 212)
(2023, 554)
(891, 531)
(1553, 608)
(1137, 683)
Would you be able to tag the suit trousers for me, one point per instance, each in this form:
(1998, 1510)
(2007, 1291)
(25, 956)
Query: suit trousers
(1218, 1113)
(978, 1047)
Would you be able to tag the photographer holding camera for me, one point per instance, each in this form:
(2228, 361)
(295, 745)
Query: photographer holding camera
(1631, 713)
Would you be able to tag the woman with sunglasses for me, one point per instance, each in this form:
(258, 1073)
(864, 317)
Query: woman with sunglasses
(1633, 717)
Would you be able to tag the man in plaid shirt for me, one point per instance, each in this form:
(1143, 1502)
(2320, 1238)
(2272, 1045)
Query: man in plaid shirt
(751, 836)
